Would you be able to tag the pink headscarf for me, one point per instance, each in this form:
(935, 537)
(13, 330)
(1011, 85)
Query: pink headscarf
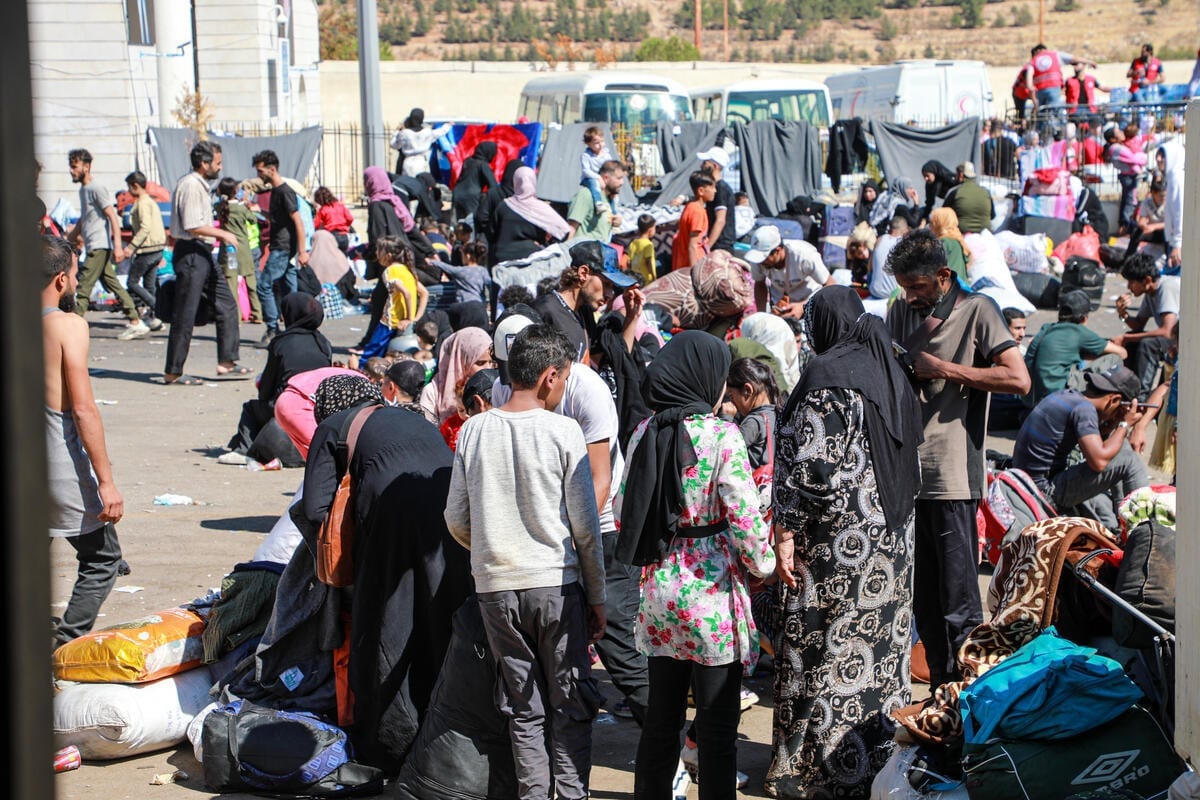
(379, 187)
(459, 352)
(525, 202)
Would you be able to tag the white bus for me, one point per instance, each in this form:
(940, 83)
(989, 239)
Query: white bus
(786, 99)
(611, 98)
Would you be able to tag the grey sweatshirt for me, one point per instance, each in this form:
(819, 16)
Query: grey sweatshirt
(521, 500)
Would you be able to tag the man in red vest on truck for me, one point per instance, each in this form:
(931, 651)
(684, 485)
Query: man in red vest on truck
(1081, 90)
(1045, 76)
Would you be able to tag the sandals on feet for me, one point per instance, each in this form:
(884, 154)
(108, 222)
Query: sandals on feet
(235, 370)
(184, 380)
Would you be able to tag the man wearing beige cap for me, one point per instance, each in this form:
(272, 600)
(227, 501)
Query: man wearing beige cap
(971, 202)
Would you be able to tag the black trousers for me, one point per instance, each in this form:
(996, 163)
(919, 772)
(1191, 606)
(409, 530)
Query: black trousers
(946, 600)
(625, 664)
(1145, 357)
(717, 691)
(196, 276)
(99, 557)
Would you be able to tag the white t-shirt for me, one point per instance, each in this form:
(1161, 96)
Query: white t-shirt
(883, 283)
(803, 274)
(588, 401)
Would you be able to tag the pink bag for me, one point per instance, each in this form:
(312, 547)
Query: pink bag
(1085, 243)
(1048, 182)
(243, 299)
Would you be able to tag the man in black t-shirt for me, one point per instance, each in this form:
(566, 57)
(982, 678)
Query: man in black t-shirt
(721, 234)
(288, 240)
(583, 287)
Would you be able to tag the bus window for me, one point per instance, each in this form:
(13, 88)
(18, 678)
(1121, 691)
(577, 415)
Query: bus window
(632, 108)
(788, 106)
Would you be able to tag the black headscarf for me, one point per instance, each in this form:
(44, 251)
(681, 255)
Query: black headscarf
(485, 151)
(943, 179)
(472, 314)
(862, 208)
(685, 379)
(300, 310)
(854, 351)
(508, 186)
(415, 120)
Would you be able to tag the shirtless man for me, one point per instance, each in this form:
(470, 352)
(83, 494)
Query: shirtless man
(84, 501)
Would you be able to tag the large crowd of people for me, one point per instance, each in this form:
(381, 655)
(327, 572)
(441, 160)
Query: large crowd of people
(697, 458)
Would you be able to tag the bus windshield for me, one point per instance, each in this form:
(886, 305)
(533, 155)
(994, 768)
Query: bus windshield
(789, 105)
(632, 108)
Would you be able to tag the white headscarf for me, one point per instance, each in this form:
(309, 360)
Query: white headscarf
(776, 335)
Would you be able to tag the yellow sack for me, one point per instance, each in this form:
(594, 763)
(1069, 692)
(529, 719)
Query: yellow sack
(145, 649)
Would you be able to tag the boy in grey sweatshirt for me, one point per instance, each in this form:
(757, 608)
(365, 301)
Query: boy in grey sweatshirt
(521, 500)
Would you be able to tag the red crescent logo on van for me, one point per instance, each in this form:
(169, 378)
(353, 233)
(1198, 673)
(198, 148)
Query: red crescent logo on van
(854, 102)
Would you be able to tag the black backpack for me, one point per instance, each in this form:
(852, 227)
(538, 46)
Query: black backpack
(1086, 275)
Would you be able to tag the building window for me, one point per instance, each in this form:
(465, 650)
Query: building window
(139, 22)
(272, 88)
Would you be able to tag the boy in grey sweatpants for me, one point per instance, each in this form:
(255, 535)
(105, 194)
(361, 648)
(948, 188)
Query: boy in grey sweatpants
(521, 500)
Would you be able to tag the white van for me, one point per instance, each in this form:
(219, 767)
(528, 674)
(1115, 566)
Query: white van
(922, 91)
(786, 99)
(610, 98)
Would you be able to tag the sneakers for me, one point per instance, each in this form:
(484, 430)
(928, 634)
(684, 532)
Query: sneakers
(689, 759)
(749, 698)
(133, 330)
(154, 323)
(681, 782)
(265, 341)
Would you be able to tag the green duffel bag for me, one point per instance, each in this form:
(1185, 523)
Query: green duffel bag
(1129, 758)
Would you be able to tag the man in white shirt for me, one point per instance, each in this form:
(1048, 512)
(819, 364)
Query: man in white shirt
(787, 271)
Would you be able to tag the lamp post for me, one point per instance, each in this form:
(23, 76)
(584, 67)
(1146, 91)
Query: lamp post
(369, 90)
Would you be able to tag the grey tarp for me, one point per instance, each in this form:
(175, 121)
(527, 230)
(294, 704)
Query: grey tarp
(902, 150)
(172, 147)
(680, 151)
(780, 160)
(559, 169)
(678, 142)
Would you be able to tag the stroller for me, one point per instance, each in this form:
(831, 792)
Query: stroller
(1061, 572)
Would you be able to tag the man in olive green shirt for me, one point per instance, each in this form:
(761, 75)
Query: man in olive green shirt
(146, 246)
(971, 202)
(586, 221)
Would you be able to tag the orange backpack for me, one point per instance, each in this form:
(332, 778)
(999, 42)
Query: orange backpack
(335, 542)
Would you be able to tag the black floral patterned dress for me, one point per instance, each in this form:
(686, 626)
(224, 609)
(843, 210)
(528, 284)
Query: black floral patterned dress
(842, 660)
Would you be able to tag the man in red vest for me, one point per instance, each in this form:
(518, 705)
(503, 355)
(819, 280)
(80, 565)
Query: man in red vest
(1020, 91)
(1145, 75)
(1081, 88)
(1045, 76)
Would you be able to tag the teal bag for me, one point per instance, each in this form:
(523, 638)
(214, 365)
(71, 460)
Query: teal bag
(1051, 688)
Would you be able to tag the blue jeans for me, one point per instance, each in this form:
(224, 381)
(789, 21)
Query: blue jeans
(279, 265)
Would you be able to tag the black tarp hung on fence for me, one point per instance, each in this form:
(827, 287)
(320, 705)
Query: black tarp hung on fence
(780, 161)
(902, 149)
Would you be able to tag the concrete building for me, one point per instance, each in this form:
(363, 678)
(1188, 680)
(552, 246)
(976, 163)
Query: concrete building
(106, 70)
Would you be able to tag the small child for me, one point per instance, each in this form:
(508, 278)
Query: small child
(472, 279)
(743, 215)
(514, 295)
(333, 216)
(521, 500)
(462, 235)
(375, 368)
(407, 297)
(641, 250)
(595, 153)
(237, 218)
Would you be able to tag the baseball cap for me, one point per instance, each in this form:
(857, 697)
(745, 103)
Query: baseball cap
(967, 168)
(1118, 379)
(479, 384)
(718, 155)
(762, 242)
(591, 254)
(506, 332)
(1076, 301)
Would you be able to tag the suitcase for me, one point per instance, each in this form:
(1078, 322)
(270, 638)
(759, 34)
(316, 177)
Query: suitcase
(1038, 288)
(788, 228)
(1059, 230)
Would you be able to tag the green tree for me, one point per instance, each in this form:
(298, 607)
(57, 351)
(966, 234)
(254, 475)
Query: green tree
(1022, 17)
(972, 13)
(887, 30)
(672, 49)
(711, 13)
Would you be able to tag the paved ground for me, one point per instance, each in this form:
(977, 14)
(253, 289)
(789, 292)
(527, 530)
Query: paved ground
(166, 439)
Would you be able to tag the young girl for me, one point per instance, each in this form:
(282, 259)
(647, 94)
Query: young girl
(333, 216)
(238, 219)
(407, 297)
(472, 279)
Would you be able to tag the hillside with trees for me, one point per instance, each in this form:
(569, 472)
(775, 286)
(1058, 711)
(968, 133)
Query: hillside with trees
(599, 32)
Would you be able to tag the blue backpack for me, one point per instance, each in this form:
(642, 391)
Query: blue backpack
(1051, 688)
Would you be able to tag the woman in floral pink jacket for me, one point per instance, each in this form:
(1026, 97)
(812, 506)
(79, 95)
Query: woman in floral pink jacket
(688, 513)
